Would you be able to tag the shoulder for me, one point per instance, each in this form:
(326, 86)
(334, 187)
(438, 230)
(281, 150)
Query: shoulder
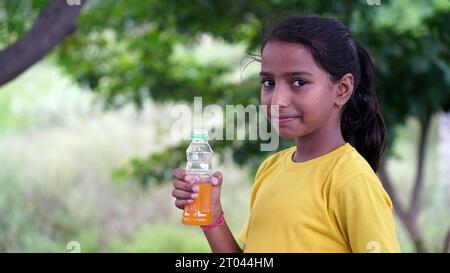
(266, 167)
(273, 160)
(350, 166)
(353, 176)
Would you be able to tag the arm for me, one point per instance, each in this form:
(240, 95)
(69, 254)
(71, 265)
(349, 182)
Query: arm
(221, 239)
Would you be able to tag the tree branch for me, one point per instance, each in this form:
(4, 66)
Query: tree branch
(54, 23)
(446, 248)
(392, 191)
(418, 184)
(408, 222)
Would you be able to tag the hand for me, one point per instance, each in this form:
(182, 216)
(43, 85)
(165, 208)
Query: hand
(185, 190)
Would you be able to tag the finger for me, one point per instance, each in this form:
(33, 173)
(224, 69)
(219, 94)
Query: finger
(216, 179)
(183, 185)
(179, 194)
(179, 173)
(191, 179)
(180, 203)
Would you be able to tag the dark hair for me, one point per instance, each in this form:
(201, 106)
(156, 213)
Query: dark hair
(337, 52)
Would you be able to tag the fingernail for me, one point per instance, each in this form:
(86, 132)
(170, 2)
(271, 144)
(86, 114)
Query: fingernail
(195, 188)
(214, 180)
(194, 196)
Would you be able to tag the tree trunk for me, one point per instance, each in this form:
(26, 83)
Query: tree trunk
(409, 218)
(54, 23)
(418, 184)
(447, 243)
(405, 217)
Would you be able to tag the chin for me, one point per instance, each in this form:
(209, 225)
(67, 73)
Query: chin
(289, 133)
(295, 130)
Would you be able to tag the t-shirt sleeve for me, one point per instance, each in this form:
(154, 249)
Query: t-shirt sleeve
(243, 233)
(363, 211)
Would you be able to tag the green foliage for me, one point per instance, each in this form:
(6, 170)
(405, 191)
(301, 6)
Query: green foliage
(130, 50)
(16, 17)
(55, 175)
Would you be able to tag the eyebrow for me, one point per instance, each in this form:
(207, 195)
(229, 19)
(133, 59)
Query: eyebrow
(287, 74)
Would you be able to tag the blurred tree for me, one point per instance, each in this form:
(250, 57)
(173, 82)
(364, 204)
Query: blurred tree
(124, 51)
(55, 22)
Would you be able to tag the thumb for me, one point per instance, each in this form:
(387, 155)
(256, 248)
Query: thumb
(216, 179)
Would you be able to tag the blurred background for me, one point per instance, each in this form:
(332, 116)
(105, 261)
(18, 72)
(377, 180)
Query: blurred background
(86, 90)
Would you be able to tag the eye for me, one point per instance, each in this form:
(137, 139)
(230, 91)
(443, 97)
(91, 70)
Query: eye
(267, 83)
(298, 83)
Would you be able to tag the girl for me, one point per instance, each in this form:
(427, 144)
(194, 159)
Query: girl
(322, 195)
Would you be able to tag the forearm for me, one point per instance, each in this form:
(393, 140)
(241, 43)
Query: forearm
(221, 239)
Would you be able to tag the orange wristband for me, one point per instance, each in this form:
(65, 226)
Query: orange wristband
(219, 222)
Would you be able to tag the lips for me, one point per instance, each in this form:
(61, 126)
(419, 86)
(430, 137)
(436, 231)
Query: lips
(283, 119)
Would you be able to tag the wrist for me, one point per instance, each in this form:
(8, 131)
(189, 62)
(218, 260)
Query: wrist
(216, 212)
(219, 221)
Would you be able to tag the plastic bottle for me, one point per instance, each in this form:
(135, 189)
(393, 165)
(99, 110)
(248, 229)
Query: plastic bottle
(199, 156)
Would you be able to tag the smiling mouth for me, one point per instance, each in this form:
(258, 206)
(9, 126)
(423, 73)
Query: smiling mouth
(284, 119)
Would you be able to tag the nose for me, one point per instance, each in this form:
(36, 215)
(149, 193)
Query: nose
(280, 96)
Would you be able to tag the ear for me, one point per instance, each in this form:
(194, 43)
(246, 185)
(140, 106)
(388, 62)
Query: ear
(344, 89)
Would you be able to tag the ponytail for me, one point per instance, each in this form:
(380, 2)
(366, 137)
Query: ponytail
(362, 122)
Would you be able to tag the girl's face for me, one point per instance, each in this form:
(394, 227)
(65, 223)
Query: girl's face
(303, 91)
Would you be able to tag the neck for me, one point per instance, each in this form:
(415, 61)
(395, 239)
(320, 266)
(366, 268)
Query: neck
(318, 143)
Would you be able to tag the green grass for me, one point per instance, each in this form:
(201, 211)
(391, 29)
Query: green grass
(165, 237)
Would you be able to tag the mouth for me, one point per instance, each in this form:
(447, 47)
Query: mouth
(284, 119)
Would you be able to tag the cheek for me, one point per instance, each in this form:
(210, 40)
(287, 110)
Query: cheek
(313, 108)
(318, 109)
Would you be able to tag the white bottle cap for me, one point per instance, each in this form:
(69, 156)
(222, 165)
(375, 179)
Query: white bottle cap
(200, 133)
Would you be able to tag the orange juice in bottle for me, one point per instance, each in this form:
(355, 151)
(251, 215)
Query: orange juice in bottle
(199, 211)
(199, 156)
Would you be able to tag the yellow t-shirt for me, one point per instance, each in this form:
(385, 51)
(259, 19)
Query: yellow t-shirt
(332, 203)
